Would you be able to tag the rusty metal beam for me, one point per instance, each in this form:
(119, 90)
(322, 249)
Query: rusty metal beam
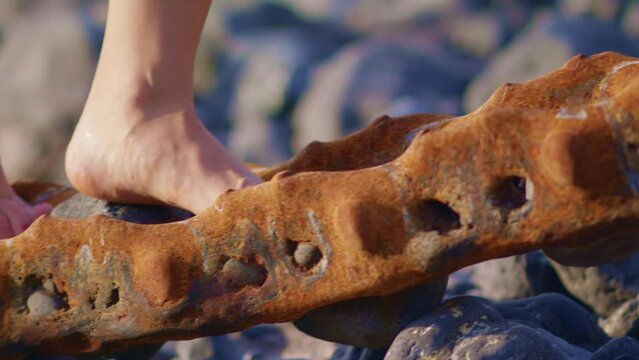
(551, 163)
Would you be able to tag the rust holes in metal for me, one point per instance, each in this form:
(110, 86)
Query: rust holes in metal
(105, 300)
(434, 215)
(240, 273)
(114, 296)
(511, 192)
(304, 254)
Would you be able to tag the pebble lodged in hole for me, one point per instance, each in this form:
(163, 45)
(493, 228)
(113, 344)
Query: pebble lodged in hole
(45, 298)
(304, 254)
(241, 273)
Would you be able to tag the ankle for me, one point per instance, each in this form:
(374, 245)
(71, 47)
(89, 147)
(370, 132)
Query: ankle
(133, 91)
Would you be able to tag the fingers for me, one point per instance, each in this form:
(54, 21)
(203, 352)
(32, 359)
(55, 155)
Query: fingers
(41, 209)
(5, 227)
(16, 216)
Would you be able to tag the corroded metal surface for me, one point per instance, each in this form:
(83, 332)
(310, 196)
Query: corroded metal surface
(551, 163)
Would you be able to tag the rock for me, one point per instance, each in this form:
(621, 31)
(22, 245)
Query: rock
(558, 315)
(374, 15)
(344, 352)
(606, 10)
(277, 52)
(263, 342)
(479, 33)
(515, 277)
(471, 328)
(624, 348)
(267, 341)
(604, 288)
(81, 206)
(198, 349)
(239, 273)
(43, 303)
(306, 256)
(302, 346)
(148, 351)
(371, 322)
(395, 76)
(630, 21)
(624, 321)
(561, 37)
(461, 283)
(44, 50)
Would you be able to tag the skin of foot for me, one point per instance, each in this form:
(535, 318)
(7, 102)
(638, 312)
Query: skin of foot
(139, 139)
(153, 154)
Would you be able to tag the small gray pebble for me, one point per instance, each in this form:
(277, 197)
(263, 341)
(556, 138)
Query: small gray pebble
(41, 303)
(307, 255)
(243, 274)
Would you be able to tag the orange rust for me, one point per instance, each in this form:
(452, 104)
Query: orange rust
(552, 163)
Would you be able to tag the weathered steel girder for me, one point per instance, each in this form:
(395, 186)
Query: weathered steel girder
(552, 163)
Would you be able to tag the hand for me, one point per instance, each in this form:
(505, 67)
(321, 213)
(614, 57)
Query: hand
(16, 215)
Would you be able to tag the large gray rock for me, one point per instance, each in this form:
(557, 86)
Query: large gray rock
(394, 75)
(558, 315)
(515, 277)
(471, 328)
(372, 322)
(46, 70)
(275, 52)
(560, 37)
(344, 352)
(80, 205)
(618, 349)
(606, 10)
(604, 288)
(265, 342)
(630, 20)
(624, 321)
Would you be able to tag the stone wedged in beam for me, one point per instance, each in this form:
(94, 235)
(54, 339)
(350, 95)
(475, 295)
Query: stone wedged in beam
(551, 163)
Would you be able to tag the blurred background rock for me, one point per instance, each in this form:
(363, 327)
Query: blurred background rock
(273, 75)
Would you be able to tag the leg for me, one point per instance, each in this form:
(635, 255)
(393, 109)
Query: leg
(15, 214)
(139, 138)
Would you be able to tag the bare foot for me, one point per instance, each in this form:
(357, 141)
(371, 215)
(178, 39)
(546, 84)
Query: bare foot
(147, 151)
(16, 215)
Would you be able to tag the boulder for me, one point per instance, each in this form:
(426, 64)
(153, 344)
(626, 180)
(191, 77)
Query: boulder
(561, 37)
(472, 328)
(604, 288)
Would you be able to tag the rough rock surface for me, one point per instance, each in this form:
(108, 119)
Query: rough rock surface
(471, 328)
(515, 277)
(82, 206)
(401, 75)
(624, 348)
(559, 316)
(604, 288)
(372, 322)
(42, 51)
(355, 353)
(545, 164)
(624, 321)
(560, 36)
